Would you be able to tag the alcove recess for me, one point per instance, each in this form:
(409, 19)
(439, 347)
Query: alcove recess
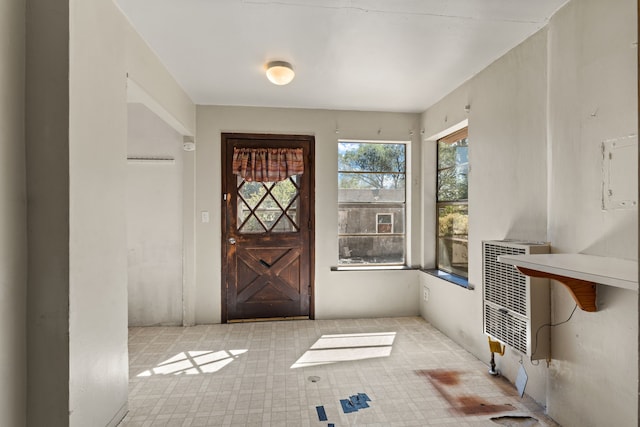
(579, 273)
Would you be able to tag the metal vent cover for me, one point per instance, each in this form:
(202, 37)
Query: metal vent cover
(512, 307)
(503, 284)
(506, 326)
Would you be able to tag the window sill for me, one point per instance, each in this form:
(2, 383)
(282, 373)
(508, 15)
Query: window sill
(452, 278)
(373, 268)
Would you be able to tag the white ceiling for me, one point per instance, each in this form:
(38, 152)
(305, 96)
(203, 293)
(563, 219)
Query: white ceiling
(370, 55)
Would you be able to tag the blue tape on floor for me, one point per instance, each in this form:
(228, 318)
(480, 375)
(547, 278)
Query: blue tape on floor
(331, 425)
(322, 415)
(359, 401)
(355, 402)
(347, 406)
(364, 396)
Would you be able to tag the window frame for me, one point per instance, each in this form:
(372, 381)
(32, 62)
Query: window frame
(405, 207)
(448, 139)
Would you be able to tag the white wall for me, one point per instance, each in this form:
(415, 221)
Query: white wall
(98, 357)
(154, 221)
(150, 84)
(13, 227)
(592, 97)
(103, 54)
(536, 171)
(155, 87)
(75, 130)
(507, 184)
(337, 294)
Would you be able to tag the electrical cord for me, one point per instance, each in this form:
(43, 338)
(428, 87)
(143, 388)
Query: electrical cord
(551, 325)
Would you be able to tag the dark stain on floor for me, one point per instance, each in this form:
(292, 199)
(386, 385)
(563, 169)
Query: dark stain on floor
(443, 376)
(516, 421)
(448, 383)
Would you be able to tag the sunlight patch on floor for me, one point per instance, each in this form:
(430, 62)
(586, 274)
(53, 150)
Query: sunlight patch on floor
(194, 362)
(346, 348)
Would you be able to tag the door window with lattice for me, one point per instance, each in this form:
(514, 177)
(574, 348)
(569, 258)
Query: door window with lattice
(268, 207)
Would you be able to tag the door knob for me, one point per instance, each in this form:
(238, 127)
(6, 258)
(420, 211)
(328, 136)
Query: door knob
(232, 240)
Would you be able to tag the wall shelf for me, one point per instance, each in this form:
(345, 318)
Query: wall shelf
(579, 273)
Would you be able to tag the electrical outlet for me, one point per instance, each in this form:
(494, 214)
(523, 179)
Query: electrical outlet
(425, 294)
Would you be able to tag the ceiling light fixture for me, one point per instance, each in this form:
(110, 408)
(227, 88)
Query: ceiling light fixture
(280, 72)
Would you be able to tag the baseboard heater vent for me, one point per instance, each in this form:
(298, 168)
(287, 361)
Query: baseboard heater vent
(515, 306)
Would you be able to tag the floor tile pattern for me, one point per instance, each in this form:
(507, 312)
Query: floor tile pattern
(278, 373)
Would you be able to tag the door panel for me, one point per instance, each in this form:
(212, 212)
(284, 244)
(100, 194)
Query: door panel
(267, 236)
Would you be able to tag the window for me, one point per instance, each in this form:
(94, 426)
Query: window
(371, 203)
(384, 223)
(452, 205)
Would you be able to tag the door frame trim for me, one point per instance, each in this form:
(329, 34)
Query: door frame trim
(225, 138)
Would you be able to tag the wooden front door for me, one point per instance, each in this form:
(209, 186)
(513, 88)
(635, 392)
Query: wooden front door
(268, 234)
